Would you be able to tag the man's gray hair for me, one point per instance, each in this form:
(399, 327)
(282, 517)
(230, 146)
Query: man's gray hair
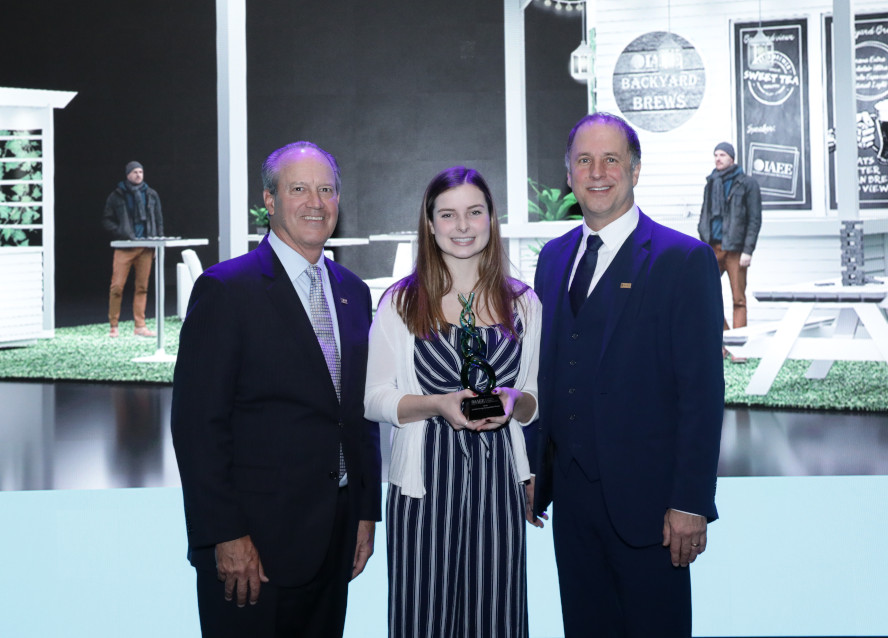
(271, 167)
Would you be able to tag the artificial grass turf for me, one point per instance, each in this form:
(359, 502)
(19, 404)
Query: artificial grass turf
(849, 386)
(86, 353)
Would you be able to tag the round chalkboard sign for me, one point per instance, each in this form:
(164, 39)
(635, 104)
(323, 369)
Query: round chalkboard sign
(872, 70)
(659, 81)
(773, 86)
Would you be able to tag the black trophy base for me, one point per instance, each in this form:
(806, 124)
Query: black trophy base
(483, 406)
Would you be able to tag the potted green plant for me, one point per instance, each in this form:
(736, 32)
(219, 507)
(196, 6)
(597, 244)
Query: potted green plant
(259, 217)
(551, 204)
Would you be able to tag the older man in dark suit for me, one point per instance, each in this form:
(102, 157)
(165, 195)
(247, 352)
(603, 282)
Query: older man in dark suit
(280, 471)
(631, 398)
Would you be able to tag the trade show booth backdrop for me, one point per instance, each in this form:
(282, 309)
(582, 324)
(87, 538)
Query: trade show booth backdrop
(399, 90)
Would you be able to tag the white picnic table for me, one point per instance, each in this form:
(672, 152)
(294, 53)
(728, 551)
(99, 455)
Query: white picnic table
(798, 335)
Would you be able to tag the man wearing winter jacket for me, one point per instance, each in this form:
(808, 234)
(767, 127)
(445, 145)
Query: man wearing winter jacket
(132, 212)
(730, 220)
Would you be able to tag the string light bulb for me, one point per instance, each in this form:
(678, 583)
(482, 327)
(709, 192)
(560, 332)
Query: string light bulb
(565, 5)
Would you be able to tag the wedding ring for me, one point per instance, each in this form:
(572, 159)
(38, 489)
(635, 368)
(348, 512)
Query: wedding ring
(695, 544)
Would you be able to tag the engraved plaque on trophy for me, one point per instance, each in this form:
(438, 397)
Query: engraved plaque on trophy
(475, 365)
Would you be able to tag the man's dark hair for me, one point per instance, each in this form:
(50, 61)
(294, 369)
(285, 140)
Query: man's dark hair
(607, 118)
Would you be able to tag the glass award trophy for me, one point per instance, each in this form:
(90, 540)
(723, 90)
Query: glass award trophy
(476, 371)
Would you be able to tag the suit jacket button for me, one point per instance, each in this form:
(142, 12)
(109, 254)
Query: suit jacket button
(333, 475)
(571, 390)
(575, 335)
(573, 417)
(573, 363)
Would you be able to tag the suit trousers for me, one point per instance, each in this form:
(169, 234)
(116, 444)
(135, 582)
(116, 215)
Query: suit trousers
(610, 589)
(729, 261)
(313, 610)
(125, 258)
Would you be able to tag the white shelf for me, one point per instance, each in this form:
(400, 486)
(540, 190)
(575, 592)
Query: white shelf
(27, 273)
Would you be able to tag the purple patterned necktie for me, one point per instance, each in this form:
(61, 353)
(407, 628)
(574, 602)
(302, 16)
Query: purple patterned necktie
(322, 323)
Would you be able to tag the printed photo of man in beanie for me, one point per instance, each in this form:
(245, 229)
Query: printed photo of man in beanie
(730, 220)
(132, 212)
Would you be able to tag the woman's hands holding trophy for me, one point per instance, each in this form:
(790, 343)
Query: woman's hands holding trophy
(450, 408)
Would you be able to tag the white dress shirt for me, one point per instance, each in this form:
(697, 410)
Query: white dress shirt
(612, 237)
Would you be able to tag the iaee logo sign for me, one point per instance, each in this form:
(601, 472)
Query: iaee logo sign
(772, 167)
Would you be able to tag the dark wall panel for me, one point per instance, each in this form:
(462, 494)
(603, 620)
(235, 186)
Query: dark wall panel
(555, 101)
(145, 74)
(396, 90)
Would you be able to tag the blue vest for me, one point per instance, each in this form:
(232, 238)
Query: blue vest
(579, 349)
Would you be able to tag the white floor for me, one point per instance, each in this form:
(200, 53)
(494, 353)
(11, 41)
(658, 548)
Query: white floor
(792, 556)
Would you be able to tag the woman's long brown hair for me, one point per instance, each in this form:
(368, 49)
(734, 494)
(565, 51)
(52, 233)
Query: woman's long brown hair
(418, 296)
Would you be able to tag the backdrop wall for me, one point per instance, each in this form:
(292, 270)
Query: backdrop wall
(397, 91)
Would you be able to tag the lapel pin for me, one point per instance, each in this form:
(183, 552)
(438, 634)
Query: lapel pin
(625, 285)
(343, 300)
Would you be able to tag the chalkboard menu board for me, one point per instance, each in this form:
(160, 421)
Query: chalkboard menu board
(772, 113)
(871, 91)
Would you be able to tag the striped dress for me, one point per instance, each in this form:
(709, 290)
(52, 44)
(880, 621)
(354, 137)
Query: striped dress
(456, 557)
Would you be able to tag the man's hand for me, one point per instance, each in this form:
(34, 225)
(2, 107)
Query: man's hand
(364, 547)
(866, 130)
(685, 536)
(528, 513)
(745, 260)
(238, 565)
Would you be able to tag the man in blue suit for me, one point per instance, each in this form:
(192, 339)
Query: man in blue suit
(631, 398)
(280, 470)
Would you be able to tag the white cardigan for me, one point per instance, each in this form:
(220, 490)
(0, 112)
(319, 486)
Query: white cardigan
(391, 375)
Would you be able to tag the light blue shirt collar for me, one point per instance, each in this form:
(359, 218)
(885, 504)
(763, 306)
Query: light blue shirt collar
(294, 263)
(296, 266)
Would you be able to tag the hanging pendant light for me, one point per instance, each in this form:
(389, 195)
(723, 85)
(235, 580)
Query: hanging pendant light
(759, 49)
(669, 51)
(582, 58)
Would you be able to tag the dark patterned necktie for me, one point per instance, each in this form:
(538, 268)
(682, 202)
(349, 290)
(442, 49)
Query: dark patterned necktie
(322, 323)
(579, 288)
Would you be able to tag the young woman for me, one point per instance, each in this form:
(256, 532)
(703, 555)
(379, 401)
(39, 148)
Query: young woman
(457, 488)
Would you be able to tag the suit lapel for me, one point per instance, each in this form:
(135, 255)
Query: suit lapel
(285, 301)
(552, 288)
(557, 275)
(623, 277)
(567, 255)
